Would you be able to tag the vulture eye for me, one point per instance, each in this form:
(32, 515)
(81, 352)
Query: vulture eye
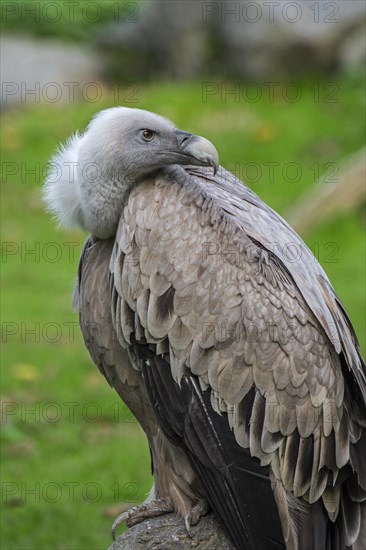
(148, 135)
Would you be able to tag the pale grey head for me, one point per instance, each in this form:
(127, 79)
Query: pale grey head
(92, 175)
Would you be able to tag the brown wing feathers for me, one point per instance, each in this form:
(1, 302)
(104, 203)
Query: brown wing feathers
(236, 355)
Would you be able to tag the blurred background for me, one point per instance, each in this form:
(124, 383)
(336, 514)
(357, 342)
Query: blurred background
(278, 87)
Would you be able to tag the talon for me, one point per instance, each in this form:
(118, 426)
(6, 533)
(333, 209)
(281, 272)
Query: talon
(141, 512)
(194, 515)
(187, 523)
(117, 522)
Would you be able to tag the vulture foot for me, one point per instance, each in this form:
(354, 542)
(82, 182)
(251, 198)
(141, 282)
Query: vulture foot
(141, 512)
(194, 515)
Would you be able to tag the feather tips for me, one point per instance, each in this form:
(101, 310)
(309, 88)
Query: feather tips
(235, 324)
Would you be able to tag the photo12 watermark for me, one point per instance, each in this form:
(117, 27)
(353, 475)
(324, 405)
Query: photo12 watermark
(269, 92)
(273, 171)
(52, 412)
(52, 492)
(65, 11)
(69, 92)
(214, 253)
(37, 252)
(270, 11)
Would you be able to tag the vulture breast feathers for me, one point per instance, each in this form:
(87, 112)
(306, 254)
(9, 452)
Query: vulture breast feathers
(246, 359)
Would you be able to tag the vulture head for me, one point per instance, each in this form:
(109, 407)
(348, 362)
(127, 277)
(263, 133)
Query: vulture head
(92, 175)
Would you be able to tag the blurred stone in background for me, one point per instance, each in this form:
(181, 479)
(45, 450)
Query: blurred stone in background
(235, 39)
(35, 71)
(168, 40)
(180, 40)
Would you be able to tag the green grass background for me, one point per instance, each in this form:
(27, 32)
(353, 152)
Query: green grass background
(99, 450)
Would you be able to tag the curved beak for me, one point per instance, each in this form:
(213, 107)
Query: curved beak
(198, 150)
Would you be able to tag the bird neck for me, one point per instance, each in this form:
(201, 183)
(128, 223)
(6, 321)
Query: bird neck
(102, 202)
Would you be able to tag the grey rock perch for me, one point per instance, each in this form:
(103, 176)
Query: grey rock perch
(169, 533)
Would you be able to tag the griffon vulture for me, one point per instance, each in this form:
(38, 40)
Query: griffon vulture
(219, 329)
